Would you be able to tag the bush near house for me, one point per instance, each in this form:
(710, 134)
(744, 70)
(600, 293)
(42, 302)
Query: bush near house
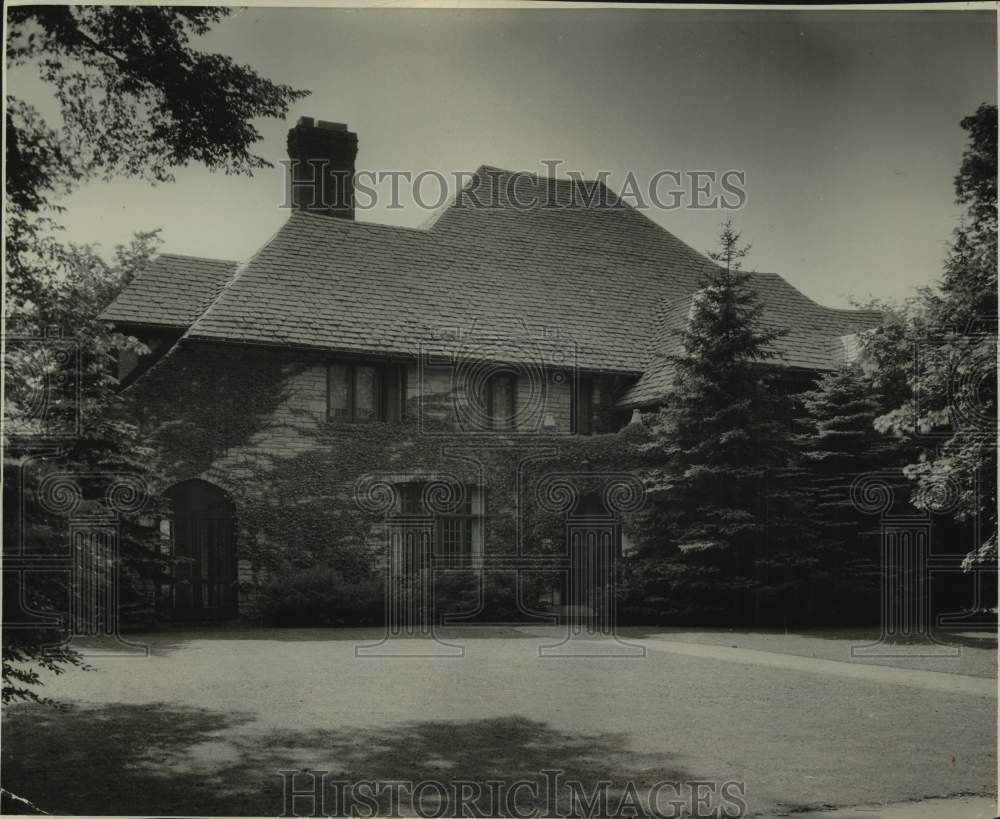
(326, 597)
(484, 596)
(321, 597)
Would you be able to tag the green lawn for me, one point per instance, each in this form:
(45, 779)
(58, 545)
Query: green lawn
(205, 723)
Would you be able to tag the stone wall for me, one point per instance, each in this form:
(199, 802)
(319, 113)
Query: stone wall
(252, 421)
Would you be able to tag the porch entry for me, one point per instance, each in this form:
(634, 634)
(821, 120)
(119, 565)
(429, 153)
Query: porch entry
(204, 545)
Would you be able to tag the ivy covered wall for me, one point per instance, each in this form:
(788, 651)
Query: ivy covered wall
(253, 422)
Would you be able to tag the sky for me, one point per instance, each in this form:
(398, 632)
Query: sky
(846, 124)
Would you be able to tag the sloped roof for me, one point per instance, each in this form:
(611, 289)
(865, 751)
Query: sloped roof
(814, 340)
(171, 292)
(515, 255)
(591, 275)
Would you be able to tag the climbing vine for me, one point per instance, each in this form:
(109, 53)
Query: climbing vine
(238, 419)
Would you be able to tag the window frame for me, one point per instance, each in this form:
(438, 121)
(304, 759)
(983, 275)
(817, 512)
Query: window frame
(385, 373)
(465, 522)
(509, 422)
(583, 386)
(411, 505)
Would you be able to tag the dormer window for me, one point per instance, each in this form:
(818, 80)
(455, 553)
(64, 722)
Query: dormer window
(360, 392)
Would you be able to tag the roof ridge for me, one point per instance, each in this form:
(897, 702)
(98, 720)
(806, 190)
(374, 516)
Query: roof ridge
(540, 177)
(190, 257)
(348, 224)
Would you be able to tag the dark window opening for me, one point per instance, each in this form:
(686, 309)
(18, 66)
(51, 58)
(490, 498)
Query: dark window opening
(501, 401)
(127, 366)
(365, 392)
(125, 363)
(582, 406)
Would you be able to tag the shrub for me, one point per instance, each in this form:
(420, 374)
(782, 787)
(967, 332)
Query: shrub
(328, 597)
(321, 597)
(470, 595)
(482, 596)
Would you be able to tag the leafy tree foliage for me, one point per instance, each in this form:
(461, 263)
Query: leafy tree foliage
(136, 97)
(722, 514)
(942, 346)
(60, 342)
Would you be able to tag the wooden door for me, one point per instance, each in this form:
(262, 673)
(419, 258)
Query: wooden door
(205, 576)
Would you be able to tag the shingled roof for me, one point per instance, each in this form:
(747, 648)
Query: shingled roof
(590, 274)
(815, 339)
(171, 292)
(515, 253)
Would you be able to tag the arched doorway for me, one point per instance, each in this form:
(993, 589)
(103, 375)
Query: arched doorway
(204, 546)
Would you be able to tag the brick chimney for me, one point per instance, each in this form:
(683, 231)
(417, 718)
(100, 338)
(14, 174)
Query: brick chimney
(321, 173)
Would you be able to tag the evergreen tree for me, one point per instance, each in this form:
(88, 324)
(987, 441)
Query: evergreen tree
(840, 445)
(722, 518)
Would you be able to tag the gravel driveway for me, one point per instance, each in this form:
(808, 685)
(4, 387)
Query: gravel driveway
(205, 723)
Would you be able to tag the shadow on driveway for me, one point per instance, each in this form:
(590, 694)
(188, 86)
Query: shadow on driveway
(171, 639)
(163, 759)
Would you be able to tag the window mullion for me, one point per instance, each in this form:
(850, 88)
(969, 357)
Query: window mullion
(513, 403)
(402, 392)
(380, 397)
(490, 398)
(352, 390)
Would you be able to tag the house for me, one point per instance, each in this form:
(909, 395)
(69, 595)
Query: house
(497, 326)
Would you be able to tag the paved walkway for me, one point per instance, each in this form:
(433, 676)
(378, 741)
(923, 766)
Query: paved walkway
(966, 807)
(913, 678)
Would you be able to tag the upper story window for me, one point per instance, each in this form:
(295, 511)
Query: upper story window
(363, 392)
(501, 401)
(582, 406)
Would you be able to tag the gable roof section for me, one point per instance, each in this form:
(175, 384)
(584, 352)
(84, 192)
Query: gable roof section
(171, 292)
(814, 339)
(590, 275)
(514, 256)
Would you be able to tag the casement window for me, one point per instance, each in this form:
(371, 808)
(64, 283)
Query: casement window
(582, 406)
(501, 401)
(361, 392)
(453, 530)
